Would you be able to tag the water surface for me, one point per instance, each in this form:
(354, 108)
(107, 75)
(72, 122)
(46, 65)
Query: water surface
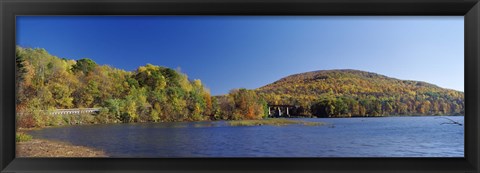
(342, 137)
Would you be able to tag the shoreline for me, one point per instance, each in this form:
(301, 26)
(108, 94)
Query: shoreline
(20, 129)
(459, 115)
(48, 148)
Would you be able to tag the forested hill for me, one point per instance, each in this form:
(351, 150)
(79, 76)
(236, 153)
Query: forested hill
(151, 93)
(359, 93)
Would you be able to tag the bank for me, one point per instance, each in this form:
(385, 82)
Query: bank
(49, 148)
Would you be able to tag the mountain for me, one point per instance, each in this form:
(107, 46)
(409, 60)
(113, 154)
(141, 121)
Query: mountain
(345, 93)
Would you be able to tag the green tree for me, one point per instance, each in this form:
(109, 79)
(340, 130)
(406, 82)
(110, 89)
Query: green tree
(84, 65)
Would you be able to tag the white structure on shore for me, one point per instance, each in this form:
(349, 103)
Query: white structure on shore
(74, 111)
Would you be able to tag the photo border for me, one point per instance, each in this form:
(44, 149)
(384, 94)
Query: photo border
(9, 9)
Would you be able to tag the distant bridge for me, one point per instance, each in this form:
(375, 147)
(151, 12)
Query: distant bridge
(74, 111)
(280, 110)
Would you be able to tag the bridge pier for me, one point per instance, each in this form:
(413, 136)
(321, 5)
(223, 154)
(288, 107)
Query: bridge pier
(282, 110)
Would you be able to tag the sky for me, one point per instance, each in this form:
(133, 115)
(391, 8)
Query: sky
(227, 52)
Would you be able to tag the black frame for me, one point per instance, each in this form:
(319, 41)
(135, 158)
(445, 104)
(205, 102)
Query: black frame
(470, 9)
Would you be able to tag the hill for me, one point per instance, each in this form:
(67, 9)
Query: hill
(345, 93)
(149, 94)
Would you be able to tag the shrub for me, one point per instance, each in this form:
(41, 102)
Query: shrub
(86, 119)
(40, 118)
(104, 116)
(25, 121)
(22, 137)
(55, 120)
(68, 119)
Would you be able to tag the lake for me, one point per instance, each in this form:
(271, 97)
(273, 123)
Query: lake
(342, 137)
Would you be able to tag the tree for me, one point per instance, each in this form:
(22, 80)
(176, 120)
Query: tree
(84, 65)
(62, 95)
(129, 111)
(248, 105)
(150, 76)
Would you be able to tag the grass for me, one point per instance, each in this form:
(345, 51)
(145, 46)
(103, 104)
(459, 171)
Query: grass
(273, 122)
(22, 137)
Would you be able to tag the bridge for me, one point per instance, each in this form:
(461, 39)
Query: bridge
(75, 111)
(280, 110)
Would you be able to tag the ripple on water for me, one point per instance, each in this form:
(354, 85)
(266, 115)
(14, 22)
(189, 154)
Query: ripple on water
(351, 137)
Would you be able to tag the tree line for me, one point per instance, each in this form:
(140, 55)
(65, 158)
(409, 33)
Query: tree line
(149, 94)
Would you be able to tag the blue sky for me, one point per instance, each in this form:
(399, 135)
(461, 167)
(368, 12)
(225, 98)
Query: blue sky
(228, 52)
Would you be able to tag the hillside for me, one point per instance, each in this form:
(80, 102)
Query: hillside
(151, 93)
(340, 93)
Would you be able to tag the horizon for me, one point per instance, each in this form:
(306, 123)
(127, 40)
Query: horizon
(229, 58)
